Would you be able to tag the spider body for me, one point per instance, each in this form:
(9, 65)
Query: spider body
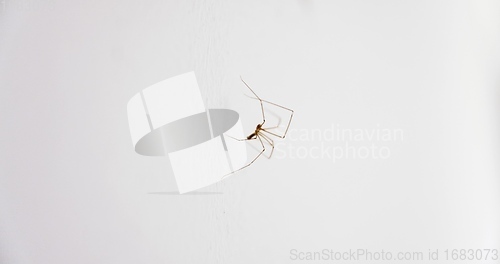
(261, 133)
(256, 132)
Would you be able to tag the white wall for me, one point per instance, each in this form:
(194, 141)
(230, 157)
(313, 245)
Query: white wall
(72, 190)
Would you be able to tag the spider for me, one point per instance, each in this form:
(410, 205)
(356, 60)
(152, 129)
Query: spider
(261, 132)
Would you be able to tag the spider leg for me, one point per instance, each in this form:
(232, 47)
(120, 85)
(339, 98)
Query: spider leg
(270, 142)
(289, 121)
(242, 139)
(258, 98)
(256, 157)
(279, 123)
(287, 127)
(271, 133)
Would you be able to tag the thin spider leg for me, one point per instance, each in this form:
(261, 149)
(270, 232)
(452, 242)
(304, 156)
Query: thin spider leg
(250, 96)
(279, 123)
(289, 121)
(270, 142)
(260, 153)
(279, 118)
(271, 133)
(267, 137)
(243, 139)
(258, 98)
(286, 130)
(254, 147)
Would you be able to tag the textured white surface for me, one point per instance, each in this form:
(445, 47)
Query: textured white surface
(73, 191)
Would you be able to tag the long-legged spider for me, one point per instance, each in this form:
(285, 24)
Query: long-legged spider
(263, 133)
